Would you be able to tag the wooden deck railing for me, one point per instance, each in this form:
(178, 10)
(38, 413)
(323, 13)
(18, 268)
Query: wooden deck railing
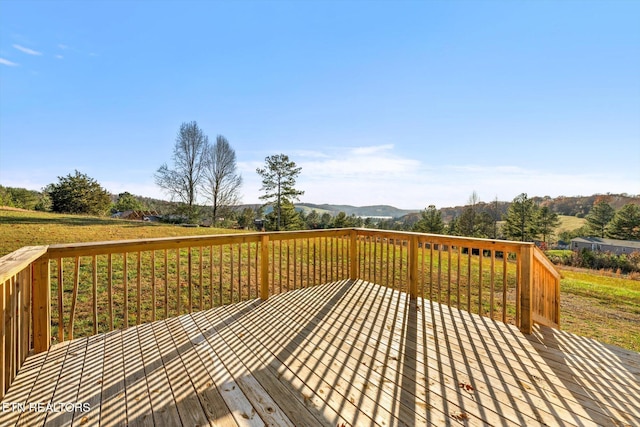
(64, 291)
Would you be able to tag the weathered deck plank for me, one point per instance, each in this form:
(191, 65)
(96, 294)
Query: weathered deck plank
(248, 370)
(90, 391)
(187, 402)
(208, 394)
(139, 411)
(113, 409)
(342, 353)
(241, 408)
(162, 400)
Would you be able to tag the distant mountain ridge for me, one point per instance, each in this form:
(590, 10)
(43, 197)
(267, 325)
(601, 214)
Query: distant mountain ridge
(570, 206)
(363, 211)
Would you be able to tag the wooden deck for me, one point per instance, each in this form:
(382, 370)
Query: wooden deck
(351, 353)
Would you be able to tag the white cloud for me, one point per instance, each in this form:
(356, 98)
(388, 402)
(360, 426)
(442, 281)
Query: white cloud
(371, 149)
(308, 153)
(63, 46)
(7, 62)
(380, 175)
(362, 175)
(59, 56)
(27, 50)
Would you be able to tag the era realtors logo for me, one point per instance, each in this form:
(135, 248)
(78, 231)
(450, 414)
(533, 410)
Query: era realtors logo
(45, 407)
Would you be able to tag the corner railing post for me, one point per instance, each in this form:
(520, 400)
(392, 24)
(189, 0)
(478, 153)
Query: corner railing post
(264, 267)
(41, 305)
(413, 266)
(353, 255)
(526, 288)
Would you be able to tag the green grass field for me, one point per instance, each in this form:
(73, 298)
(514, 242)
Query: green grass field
(27, 228)
(596, 306)
(569, 223)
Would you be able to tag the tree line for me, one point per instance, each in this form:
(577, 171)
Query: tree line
(201, 170)
(525, 220)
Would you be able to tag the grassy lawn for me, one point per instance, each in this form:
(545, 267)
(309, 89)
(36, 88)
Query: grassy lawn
(569, 223)
(601, 307)
(28, 228)
(592, 305)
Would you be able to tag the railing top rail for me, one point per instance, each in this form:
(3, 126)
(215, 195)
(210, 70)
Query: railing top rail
(441, 238)
(17, 261)
(119, 246)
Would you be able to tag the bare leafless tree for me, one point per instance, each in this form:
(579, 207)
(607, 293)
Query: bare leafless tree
(222, 182)
(183, 179)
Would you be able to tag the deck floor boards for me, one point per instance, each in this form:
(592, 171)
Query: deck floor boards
(344, 353)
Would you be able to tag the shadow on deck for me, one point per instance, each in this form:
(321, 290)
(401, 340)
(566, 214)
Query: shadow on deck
(351, 353)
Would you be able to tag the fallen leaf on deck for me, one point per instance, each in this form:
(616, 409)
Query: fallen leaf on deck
(460, 416)
(466, 386)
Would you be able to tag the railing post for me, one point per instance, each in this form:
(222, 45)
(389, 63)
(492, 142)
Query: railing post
(41, 305)
(264, 267)
(526, 287)
(413, 266)
(353, 255)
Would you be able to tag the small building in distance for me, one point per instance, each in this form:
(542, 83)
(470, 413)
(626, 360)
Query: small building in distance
(598, 244)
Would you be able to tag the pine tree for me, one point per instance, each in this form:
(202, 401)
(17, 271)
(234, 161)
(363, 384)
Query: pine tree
(625, 224)
(278, 183)
(599, 218)
(520, 220)
(430, 221)
(547, 222)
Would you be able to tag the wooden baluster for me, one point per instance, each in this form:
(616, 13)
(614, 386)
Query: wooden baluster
(505, 256)
(178, 286)
(125, 289)
(211, 275)
(153, 286)
(200, 281)
(458, 282)
(74, 298)
(264, 268)
(59, 263)
(480, 257)
(413, 266)
(449, 274)
(166, 284)
(94, 266)
(492, 290)
(139, 290)
(190, 278)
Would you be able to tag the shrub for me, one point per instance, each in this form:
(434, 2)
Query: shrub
(622, 264)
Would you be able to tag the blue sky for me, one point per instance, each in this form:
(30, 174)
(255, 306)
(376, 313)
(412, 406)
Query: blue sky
(403, 103)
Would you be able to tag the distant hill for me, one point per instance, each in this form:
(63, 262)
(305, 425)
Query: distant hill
(363, 211)
(333, 210)
(577, 206)
(581, 205)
